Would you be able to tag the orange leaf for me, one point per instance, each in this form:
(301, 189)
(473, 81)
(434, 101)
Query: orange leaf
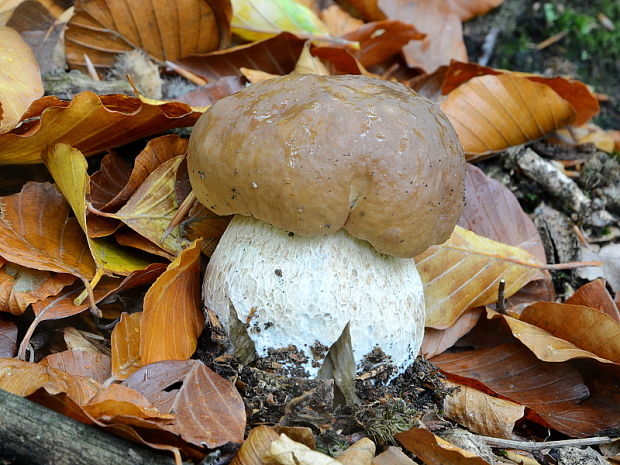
(91, 124)
(8, 338)
(126, 345)
(367, 9)
(594, 295)
(444, 34)
(491, 113)
(338, 21)
(468, 9)
(130, 238)
(80, 363)
(433, 450)
(20, 286)
(164, 30)
(209, 410)
(436, 341)
(37, 232)
(172, 318)
(20, 79)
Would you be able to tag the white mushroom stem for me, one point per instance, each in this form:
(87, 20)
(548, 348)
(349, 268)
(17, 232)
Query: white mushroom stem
(282, 289)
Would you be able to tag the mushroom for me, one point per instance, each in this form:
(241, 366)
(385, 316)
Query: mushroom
(336, 183)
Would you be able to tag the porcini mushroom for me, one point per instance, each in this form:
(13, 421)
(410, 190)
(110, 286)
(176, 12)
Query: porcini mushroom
(336, 183)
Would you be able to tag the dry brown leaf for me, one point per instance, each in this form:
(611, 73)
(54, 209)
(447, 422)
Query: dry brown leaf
(366, 9)
(340, 61)
(130, 238)
(285, 451)
(543, 344)
(555, 392)
(255, 447)
(38, 233)
(255, 75)
(125, 345)
(63, 306)
(392, 456)
(172, 318)
(358, 453)
(214, 90)
(6, 10)
(481, 413)
(309, 64)
(585, 327)
(164, 30)
(20, 286)
(277, 55)
(491, 113)
(574, 92)
(338, 21)
(205, 224)
(468, 9)
(209, 410)
(108, 182)
(117, 400)
(464, 273)
(433, 450)
(8, 338)
(381, 39)
(80, 363)
(595, 295)
(444, 34)
(20, 78)
(436, 341)
(77, 340)
(90, 123)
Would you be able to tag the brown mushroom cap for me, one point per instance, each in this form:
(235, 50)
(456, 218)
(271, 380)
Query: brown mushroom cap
(313, 154)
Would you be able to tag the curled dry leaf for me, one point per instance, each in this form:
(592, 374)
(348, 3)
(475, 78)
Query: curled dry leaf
(102, 29)
(20, 78)
(260, 19)
(433, 450)
(574, 92)
(285, 451)
(436, 341)
(464, 273)
(277, 55)
(68, 167)
(444, 34)
(256, 446)
(585, 327)
(8, 338)
(81, 363)
(543, 344)
(555, 392)
(125, 345)
(338, 21)
(172, 318)
(108, 182)
(482, 413)
(382, 39)
(38, 233)
(491, 113)
(208, 409)
(20, 286)
(595, 295)
(91, 124)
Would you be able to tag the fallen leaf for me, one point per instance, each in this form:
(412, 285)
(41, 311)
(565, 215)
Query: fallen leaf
(130, 238)
(436, 341)
(208, 409)
(464, 273)
(102, 29)
(260, 19)
(203, 223)
(151, 208)
(276, 55)
(125, 346)
(90, 123)
(285, 451)
(8, 338)
(80, 363)
(68, 167)
(117, 400)
(444, 34)
(481, 413)
(309, 64)
(6, 10)
(609, 255)
(109, 181)
(575, 92)
(37, 232)
(382, 39)
(392, 456)
(338, 21)
(359, 453)
(340, 61)
(20, 286)
(255, 75)
(63, 306)
(585, 327)
(595, 295)
(433, 450)
(468, 9)
(367, 9)
(556, 392)
(20, 78)
(255, 447)
(211, 92)
(172, 318)
(491, 113)
(76, 340)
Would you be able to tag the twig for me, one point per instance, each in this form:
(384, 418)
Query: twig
(488, 46)
(552, 40)
(186, 73)
(186, 205)
(92, 72)
(501, 300)
(528, 445)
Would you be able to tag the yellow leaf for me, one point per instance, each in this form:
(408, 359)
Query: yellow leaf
(464, 272)
(68, 168)
(260, 19)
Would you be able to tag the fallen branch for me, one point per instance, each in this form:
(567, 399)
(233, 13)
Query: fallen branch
(529, 446)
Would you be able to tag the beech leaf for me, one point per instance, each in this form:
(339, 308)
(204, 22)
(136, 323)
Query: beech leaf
(433, 450)
(8, 338)
(125, 345)
(80, 363)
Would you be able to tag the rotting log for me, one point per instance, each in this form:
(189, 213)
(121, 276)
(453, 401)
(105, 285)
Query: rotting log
(31, 434)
